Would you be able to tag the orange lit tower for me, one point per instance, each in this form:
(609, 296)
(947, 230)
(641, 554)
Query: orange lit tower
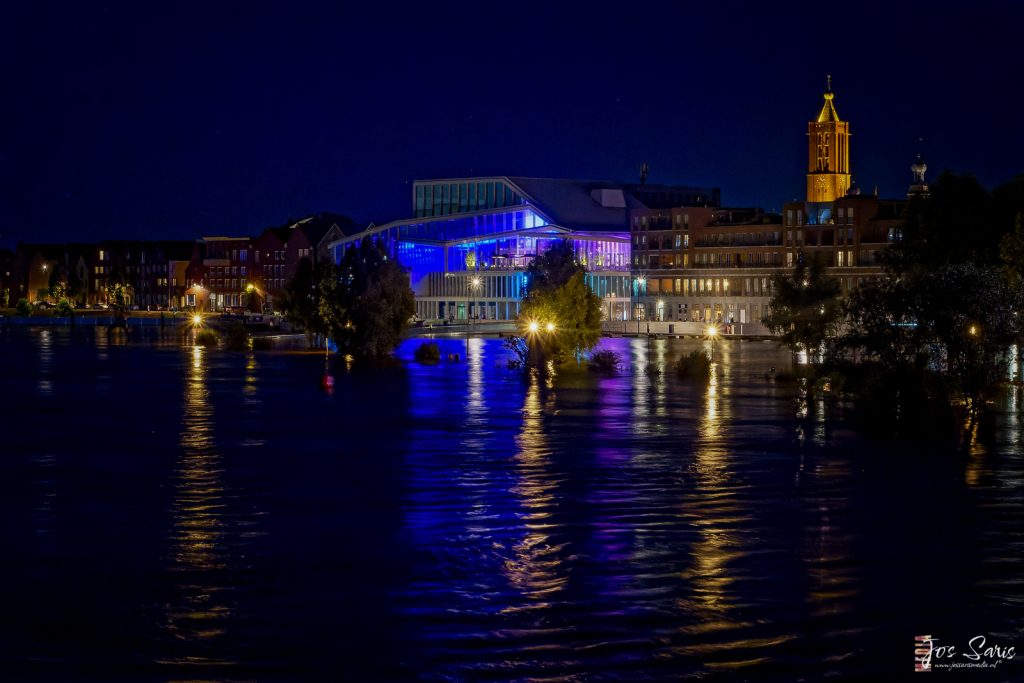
(828, 154)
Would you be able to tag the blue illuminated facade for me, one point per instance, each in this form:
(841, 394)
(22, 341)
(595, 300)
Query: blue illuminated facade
(471, 240)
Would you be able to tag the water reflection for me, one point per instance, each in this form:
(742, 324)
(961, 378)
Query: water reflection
(536, 569)
(45, 385)
(201, 607)
(716, 512)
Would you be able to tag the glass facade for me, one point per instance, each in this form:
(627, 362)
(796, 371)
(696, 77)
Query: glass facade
(448, 198)
(471, 241)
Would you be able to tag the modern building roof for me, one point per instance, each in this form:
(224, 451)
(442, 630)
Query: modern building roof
(579, 204)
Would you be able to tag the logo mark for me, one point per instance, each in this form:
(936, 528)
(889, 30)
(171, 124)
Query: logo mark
(922, 653)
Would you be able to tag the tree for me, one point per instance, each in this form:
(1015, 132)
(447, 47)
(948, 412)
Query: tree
(363, 304)
(938, 325)
(119, 292)
(805, 308)
(557, 293)
(953, 225)
(303, 299)
(378, 303)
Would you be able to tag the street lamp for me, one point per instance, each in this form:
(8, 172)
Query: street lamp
(253, 289)
(641, 282)
(474, 286)
(533, 329)
(712, 333)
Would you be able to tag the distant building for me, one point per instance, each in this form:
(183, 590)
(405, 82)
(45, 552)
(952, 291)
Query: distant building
(471, 240)
(7, 282)
(277, 251)
(715, 265)
(219, 275)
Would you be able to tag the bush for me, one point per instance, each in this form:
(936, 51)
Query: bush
(605, 360)
(519, 347)
(237, 338)
(428, 352)
(23, 307)
(695, 366)
(206, 338)
(64, 308)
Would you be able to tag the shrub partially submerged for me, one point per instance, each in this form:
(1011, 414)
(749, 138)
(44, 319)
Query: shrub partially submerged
(237, 338)
(605, 360)
(428, 352)
(695, 366)
(206, 337)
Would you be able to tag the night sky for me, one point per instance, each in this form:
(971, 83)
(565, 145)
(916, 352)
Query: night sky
(140, 121)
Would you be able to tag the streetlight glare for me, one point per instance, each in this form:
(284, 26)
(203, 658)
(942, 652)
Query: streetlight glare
(533, 326)
(197, 319)
(551, 327)
(712, 330)
(476, 282)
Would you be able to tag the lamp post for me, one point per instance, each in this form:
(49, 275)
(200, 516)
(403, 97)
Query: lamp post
(474, 285)
(641, 282)
(712, 333)
(253, 289)
(533, 330)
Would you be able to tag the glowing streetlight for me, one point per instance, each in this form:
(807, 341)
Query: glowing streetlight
(641, 282)
(197, 320)
(973, 330)
(550, 327)
(253, 289)
(712, 333)
(533, 326)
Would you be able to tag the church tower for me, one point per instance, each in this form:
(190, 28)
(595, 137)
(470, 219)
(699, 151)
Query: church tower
(828, 154)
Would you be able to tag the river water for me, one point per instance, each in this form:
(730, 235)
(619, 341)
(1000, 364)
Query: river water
(178, 513)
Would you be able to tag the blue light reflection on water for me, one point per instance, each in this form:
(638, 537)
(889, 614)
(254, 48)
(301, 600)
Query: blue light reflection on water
(207, 515)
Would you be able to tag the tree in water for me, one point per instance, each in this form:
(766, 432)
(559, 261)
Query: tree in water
(363, 304)
(375, 299)
(805, 308)
(558, 295)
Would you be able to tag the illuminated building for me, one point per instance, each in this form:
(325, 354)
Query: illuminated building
(471, 240)
(698, 265)
(828, 153)
(222, 273)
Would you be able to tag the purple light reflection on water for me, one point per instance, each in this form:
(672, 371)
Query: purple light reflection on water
(222, 517)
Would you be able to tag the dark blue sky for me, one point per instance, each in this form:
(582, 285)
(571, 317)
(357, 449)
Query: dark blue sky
(174, 121)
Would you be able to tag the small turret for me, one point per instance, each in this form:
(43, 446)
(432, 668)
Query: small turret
(919, 188)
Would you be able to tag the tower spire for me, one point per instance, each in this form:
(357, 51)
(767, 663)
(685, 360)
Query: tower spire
(828, 153)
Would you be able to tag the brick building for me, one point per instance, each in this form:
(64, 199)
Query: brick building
(715, 265)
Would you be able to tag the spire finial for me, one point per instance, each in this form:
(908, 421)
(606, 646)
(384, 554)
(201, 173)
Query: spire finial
(828, 82)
